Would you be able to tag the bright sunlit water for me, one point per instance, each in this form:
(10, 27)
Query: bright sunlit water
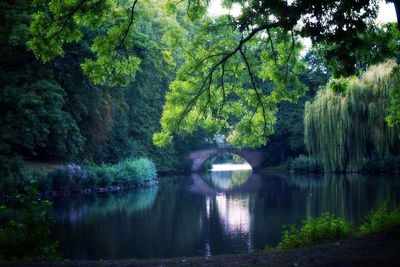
(230, 167)
(208, 214)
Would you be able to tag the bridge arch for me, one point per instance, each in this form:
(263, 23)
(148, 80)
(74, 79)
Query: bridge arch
(253, 156)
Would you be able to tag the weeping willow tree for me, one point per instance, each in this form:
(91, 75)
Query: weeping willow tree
(346, 122)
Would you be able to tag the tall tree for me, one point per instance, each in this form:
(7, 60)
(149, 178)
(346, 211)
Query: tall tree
(270, 27)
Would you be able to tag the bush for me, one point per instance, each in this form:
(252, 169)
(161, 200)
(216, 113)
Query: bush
(103, 175)
(145, 170)
(318, 230)
(132, 171)
(328, 228)
(380, 219)
(10, 171)
(92, 180)
(59, 178)
(71, 177)
(43, 181)
(305, 164)
(389, 164)
(75, 177)
(25, 234)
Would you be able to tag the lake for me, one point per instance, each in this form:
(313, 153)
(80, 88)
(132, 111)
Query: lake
(209, 214)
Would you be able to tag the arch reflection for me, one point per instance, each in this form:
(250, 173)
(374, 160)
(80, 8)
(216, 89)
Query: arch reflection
(227, 180)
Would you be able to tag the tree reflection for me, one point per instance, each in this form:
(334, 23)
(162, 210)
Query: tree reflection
(227, 180)
(77, 209)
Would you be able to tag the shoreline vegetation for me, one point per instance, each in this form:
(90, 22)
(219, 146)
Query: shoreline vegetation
(86, 178)
(308, 164)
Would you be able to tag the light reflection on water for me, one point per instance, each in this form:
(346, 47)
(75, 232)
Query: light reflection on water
(230, 167)
(208, 214)
(234, 213)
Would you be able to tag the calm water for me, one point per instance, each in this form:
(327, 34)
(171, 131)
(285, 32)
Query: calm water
(219, 212)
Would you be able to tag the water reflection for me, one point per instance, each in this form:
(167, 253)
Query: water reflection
(208, 215)
(85, 208)
(227, 180)
(234, 213)
(231, 167)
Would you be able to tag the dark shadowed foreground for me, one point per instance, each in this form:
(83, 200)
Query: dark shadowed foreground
(378, 249)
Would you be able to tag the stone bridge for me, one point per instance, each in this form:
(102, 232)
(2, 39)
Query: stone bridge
(254, 157)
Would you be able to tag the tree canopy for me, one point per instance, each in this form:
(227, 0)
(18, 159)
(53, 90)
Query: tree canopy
(226, 63)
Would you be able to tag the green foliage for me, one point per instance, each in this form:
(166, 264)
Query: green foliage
(375, 44)
(328, 227)
(10, 171)
(390, 164)
(52, 112)
(43, 182)
(25, 235)
(393, 117)
(225, 95)
(380, 219)
(76, 178)
(288, 139)
(322, 229)
(129, 171)
(342, 130)
(116, 30)
(126, 172)
(339, 86)
(305, 164)
(39, 119)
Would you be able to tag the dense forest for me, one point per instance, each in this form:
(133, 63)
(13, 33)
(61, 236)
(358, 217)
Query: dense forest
(53, 112)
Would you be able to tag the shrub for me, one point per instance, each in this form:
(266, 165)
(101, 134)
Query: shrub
(324, 228)
(25, 234)
(145, 170)
(126, 172)
(103, 174)
(389, 164)
(75, 177)
(71, 176)
(43, 181)
(59, 178)
(380, 219)
(10, 171)
(136, 171)
(92, 179)
(305, 164)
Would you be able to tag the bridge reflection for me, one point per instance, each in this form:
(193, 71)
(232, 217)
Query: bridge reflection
(225, 181)
(228, 203)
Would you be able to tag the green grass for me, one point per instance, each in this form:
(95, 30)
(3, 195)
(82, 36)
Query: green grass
(322, 229)
(379, 219)
(329, 228)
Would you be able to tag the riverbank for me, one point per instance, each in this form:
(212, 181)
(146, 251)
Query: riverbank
(65, 180)
(377, 249)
